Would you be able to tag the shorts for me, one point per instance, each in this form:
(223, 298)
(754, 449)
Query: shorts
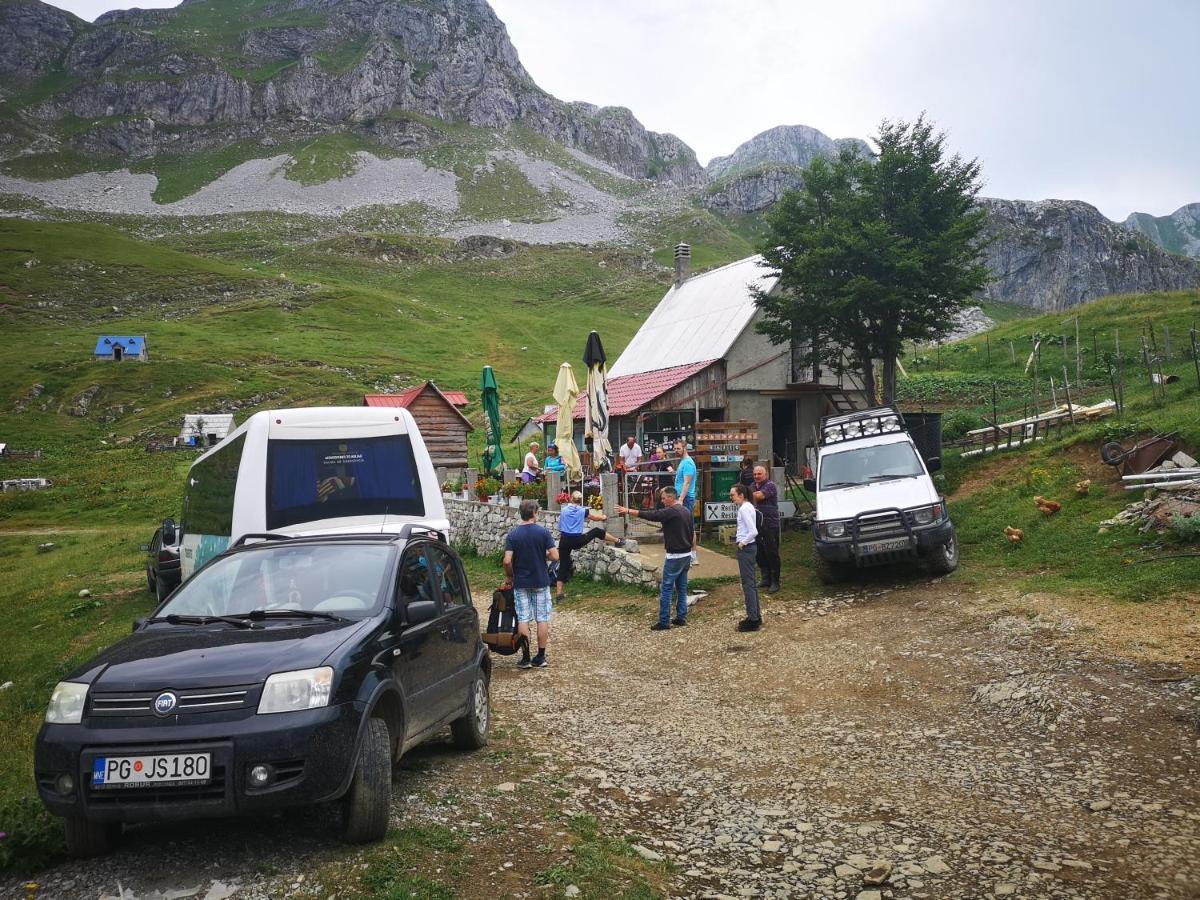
(533, 604)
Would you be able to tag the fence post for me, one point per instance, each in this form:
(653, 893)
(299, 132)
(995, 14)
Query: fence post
(608, 494)
(469, 480)
(509, 476)
(1067, 391)
(553, 489)
(443, 475)
(1195, 356)
(1012, 352)
(1167, 341)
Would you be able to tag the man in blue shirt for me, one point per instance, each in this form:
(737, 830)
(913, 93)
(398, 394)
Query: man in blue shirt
(526, 549)
(572, 537)
(685, 485)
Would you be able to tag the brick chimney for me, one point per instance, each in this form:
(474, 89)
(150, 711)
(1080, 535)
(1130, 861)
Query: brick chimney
(683, 263)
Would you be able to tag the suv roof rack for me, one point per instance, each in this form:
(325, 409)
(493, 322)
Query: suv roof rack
(861, 423)
(407, 530)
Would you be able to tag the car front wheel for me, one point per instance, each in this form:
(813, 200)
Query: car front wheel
(944, 559)
(470, 732)
(88, 838)
(368, 803)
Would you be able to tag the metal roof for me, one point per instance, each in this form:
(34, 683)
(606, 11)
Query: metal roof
(404, 398)
(629, 393)
(133, 345)
(696, 321)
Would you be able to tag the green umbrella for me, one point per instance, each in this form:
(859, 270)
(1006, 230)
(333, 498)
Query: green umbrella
(493, 456)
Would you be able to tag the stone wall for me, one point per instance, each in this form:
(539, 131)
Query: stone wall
(481, 527)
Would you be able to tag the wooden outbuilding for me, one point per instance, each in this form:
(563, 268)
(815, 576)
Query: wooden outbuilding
(439, 416)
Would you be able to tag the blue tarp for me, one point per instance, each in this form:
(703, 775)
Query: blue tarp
(132, 345)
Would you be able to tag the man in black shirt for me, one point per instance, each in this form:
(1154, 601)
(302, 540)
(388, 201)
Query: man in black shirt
(676, 521)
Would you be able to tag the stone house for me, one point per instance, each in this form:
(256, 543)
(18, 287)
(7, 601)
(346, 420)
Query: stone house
(699, 357)
(117, 348)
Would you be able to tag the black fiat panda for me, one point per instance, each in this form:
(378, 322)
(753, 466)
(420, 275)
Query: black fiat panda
(288, 671)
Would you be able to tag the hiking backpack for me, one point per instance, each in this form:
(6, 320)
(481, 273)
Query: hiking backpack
(501, 634)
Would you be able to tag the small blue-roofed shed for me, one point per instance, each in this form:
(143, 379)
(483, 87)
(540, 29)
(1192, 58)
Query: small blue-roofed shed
(118, 347)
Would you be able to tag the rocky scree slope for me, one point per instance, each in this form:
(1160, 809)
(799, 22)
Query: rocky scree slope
(142, 82)
(1177, 233)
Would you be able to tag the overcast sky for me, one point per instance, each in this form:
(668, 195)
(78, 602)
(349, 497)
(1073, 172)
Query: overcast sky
(1096, 100)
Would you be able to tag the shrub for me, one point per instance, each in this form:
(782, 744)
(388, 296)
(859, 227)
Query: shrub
(1186, 528)
(955, 425)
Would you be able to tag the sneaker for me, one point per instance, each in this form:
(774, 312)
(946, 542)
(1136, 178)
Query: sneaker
(524, 662)
(659, 626)
(560, 598)
(539, 661)
(765, 583)
(680, 621)
(749, 625)
(620, 544)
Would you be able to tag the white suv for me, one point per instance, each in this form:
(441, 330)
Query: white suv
(876, 503)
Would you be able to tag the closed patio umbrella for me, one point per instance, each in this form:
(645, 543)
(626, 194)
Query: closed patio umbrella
(493, 455)
(596, 424)
(566, 391)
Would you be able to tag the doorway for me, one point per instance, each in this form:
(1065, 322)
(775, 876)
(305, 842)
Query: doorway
(783, 435)
(118, 352)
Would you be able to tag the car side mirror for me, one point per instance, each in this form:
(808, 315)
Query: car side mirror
(168, 531)
(420, 611)
(934, 464)
(138, 623)
(810, 485)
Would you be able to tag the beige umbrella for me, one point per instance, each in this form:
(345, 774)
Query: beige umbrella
(566, 390)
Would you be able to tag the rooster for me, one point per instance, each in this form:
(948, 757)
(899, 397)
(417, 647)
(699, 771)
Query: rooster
(1082, 487)
(1047, 507)
(1014, 534)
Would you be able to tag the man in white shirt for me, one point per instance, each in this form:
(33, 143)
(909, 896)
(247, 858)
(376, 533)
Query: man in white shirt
(748, 524)
(532, 467)
(631, 453)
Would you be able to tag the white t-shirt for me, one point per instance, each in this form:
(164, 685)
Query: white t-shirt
(631, 455)
(531, 464)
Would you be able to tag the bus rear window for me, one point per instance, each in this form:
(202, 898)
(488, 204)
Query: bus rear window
(333, 479)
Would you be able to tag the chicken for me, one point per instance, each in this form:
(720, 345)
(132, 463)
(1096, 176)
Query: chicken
(1082, 487)
(1014, 534)
(1047, 507)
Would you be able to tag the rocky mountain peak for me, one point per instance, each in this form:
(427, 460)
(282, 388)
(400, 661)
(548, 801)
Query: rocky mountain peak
(789, 145)
(1177, 233)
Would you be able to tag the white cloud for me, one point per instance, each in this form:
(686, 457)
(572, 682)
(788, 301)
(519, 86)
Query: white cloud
(1079, 99)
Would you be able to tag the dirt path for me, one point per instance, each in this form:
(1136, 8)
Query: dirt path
(962, 744)
(972, 752)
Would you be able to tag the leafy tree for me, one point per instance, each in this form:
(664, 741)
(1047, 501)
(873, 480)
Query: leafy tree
(874, 252)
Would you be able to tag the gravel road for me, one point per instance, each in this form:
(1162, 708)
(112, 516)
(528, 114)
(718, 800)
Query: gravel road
(929, 741)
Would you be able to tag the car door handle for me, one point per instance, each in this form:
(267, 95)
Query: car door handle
(448, 631)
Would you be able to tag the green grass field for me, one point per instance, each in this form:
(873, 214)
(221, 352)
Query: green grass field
(277, 310)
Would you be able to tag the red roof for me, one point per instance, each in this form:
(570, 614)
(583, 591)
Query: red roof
(404, 398)
(629, 393)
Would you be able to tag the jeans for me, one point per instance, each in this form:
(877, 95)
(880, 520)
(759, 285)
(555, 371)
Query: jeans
(746, 559)
(768, 553)
(568, 544)
(674, 578)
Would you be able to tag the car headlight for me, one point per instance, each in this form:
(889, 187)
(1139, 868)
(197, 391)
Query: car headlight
(927, 515)
(66, 703)
(835, 529)
(290, 691)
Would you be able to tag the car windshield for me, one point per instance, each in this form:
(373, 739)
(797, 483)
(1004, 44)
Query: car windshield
(864, 465)
(343, 580)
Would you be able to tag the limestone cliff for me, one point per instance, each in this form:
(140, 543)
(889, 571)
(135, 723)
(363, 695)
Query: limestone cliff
(1177, 233)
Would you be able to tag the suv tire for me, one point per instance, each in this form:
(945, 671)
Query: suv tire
(470, 732)
(944, 559)
(829, 572)
(368, 802)
(161, 591)
(88, 838)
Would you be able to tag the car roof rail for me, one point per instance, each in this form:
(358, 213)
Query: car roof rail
(261, 536)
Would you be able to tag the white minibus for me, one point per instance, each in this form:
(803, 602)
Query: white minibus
(313, 470)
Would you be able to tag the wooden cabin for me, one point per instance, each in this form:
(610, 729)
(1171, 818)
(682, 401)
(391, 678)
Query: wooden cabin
(439, 416)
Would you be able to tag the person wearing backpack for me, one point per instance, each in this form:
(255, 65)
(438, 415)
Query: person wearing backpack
(526, 550)
(748, 525)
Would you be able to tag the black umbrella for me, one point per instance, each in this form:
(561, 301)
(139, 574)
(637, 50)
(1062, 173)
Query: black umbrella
(596, 426)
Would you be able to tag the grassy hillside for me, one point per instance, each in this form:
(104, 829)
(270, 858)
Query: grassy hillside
(1068, 552)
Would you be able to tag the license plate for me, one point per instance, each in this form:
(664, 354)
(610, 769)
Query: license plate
(885, 546)
(139, 771)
